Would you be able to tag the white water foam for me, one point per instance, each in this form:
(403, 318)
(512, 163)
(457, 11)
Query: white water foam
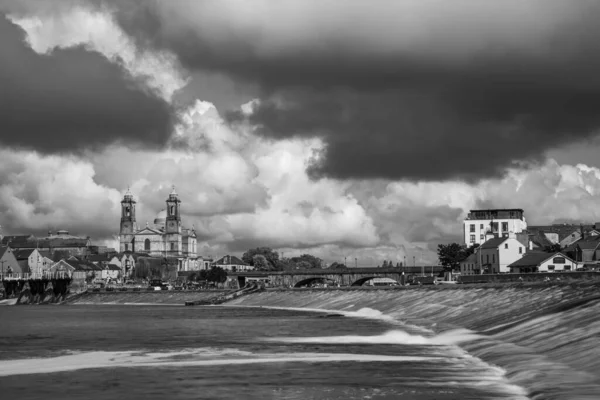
(186, 358)
(453, 337)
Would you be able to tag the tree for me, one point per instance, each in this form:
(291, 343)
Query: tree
(337, 265)
(303, 265)
(267, 252)
(385, 264)
(216, 274)
(261, 263)
(314, 262)
(450, 255)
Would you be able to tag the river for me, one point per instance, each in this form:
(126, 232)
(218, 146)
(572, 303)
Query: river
(220, 352)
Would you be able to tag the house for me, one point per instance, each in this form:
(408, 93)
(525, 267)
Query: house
(110, 271)
(497, 253)
(205, 262)
(9, 266)
(586, 250)
(231, 263)
(537, 261)
(500, 222)
(469, 265)
(34, 260)
(78, 270)
(565, 234)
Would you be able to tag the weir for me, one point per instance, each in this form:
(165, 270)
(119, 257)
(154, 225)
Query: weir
(544, 335)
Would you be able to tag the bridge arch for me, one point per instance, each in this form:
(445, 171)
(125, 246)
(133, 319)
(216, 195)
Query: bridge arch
(362, 281)
(308, 281)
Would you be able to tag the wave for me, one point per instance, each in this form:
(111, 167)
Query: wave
(453, 337)
(185, 358)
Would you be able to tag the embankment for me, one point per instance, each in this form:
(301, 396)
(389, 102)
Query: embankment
(546, 336)
(146, 297)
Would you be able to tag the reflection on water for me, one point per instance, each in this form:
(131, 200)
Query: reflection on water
(147, 352)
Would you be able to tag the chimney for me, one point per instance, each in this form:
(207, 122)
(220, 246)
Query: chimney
(512, 235)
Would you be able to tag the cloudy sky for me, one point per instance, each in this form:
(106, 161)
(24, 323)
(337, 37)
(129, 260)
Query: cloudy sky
(340, 128)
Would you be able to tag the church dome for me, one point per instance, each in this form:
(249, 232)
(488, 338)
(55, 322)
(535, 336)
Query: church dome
(161, 217)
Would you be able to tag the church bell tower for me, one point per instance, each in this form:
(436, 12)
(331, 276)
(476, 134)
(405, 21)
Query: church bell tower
(128, 224)
(173, 225)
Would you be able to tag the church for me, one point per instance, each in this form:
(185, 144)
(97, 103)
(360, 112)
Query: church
(164, 238)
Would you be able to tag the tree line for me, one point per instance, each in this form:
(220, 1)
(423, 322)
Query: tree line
(267, 259)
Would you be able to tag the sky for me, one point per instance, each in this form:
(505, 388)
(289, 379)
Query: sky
(358, 131)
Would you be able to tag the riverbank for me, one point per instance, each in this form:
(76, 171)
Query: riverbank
(543, 335)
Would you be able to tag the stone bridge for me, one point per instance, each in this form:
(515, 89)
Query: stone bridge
(342, 277)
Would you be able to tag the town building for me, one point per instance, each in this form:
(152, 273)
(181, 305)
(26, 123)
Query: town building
(9, 266)
(110, 271)
(165, 237)
(497, 253)
(499, 222)
(232, 263)
(537, 261)
(60, 241)
(585, 251)
(469, 266)
(80, 271)
(33, 260)
(565, 234)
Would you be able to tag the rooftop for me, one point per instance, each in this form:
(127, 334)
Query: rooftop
(535, 258)
(493, 243)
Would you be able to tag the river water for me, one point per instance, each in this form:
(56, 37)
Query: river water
(174, 352)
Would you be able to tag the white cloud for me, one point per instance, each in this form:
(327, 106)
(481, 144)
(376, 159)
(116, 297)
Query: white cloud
(97, 31)
(239, 190)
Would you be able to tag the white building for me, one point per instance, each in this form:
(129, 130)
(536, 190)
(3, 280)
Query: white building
(500, 222)
(543, 262)
(110, 271)
(496, 254)
(36, 261)
(232, 263)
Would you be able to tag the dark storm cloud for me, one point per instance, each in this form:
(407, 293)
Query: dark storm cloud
(404, 89)
(72, 99)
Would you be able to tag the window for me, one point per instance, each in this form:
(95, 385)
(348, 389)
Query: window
(487, 258)
(493, 259)
(520, 250)
(172, 210)
(550, 267)
(505, 227)
(172, 246)
(482, 236)
(126, 247)
(472, 227)
(567, 267)
(558, 260)
(127, 211)
(480, 226)
(495, 227)
(147, 244)
(472, 238)
(506, 245)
